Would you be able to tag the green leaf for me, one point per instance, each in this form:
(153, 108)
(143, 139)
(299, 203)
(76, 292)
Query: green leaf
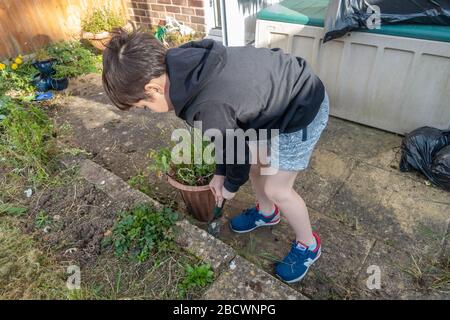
(12, 210)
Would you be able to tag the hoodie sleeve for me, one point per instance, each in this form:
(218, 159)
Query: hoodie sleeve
(222, 117)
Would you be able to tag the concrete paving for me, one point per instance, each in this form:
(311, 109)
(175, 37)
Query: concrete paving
(367, 212)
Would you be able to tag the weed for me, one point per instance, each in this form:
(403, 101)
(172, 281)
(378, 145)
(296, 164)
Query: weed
(143, 230)
(140, 183)
(196, 277)
(42, 220)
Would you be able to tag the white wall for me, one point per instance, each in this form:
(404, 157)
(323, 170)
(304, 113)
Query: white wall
(241, 19)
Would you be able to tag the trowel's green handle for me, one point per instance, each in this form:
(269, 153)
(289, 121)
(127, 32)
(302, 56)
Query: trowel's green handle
(218, 210)
(215, 224)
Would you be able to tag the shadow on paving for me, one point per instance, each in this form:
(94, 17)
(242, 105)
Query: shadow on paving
(366, 211)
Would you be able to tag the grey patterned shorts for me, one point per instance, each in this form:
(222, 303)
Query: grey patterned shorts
(289, 152)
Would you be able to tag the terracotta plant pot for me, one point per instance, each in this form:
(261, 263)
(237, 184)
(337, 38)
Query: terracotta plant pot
(199, 201)
(98, 40)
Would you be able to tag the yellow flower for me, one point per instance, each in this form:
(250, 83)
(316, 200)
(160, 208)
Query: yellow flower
(14, 66)
(2, 66)
(18, 60)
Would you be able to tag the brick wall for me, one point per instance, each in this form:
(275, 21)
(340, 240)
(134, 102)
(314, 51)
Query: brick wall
(147, 13)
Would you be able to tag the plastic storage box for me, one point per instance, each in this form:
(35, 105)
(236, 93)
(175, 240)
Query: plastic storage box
(396, 78)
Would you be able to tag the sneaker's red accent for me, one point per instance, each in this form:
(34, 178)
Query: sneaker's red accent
(316, 236)
(317, 241)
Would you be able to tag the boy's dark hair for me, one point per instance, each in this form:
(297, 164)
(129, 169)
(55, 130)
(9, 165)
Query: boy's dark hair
(130, 61)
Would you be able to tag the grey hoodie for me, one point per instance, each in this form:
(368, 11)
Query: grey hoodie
(241, 87)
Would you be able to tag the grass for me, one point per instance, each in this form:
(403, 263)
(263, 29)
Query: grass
(11, 210)
(160, 277)
(26, 272)
(429, 271)
(27, 140)
(430, 274)
(28, 147)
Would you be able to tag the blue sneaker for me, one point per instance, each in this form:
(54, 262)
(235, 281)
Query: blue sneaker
(250, 219)
(296, 264)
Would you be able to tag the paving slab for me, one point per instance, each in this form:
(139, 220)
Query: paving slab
(343, 254)
(88, 112)
(402, 276)
(243, 281)
(319, 183)
(370, 145)
(403, 212)
(394, 281)
(335, 273)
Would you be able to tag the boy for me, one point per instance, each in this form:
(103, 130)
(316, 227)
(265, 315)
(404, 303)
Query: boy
(233, 88)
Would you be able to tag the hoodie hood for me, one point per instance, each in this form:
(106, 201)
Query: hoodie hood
(190, 67)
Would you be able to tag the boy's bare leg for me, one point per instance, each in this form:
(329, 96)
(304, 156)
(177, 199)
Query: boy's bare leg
(279, 189)
(258, 181)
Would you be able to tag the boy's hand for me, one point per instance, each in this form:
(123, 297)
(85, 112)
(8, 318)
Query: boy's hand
(216, 186)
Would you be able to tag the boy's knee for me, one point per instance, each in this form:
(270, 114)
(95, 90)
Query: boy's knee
(276, 193)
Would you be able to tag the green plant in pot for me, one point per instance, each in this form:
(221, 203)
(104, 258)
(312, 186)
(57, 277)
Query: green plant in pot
(190, 178)
(97, 26)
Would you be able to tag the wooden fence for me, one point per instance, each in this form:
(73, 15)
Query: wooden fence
(27, 25)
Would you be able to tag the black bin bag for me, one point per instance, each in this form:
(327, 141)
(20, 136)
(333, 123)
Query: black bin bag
(427, 150)
(441, 168)
(347, 15)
